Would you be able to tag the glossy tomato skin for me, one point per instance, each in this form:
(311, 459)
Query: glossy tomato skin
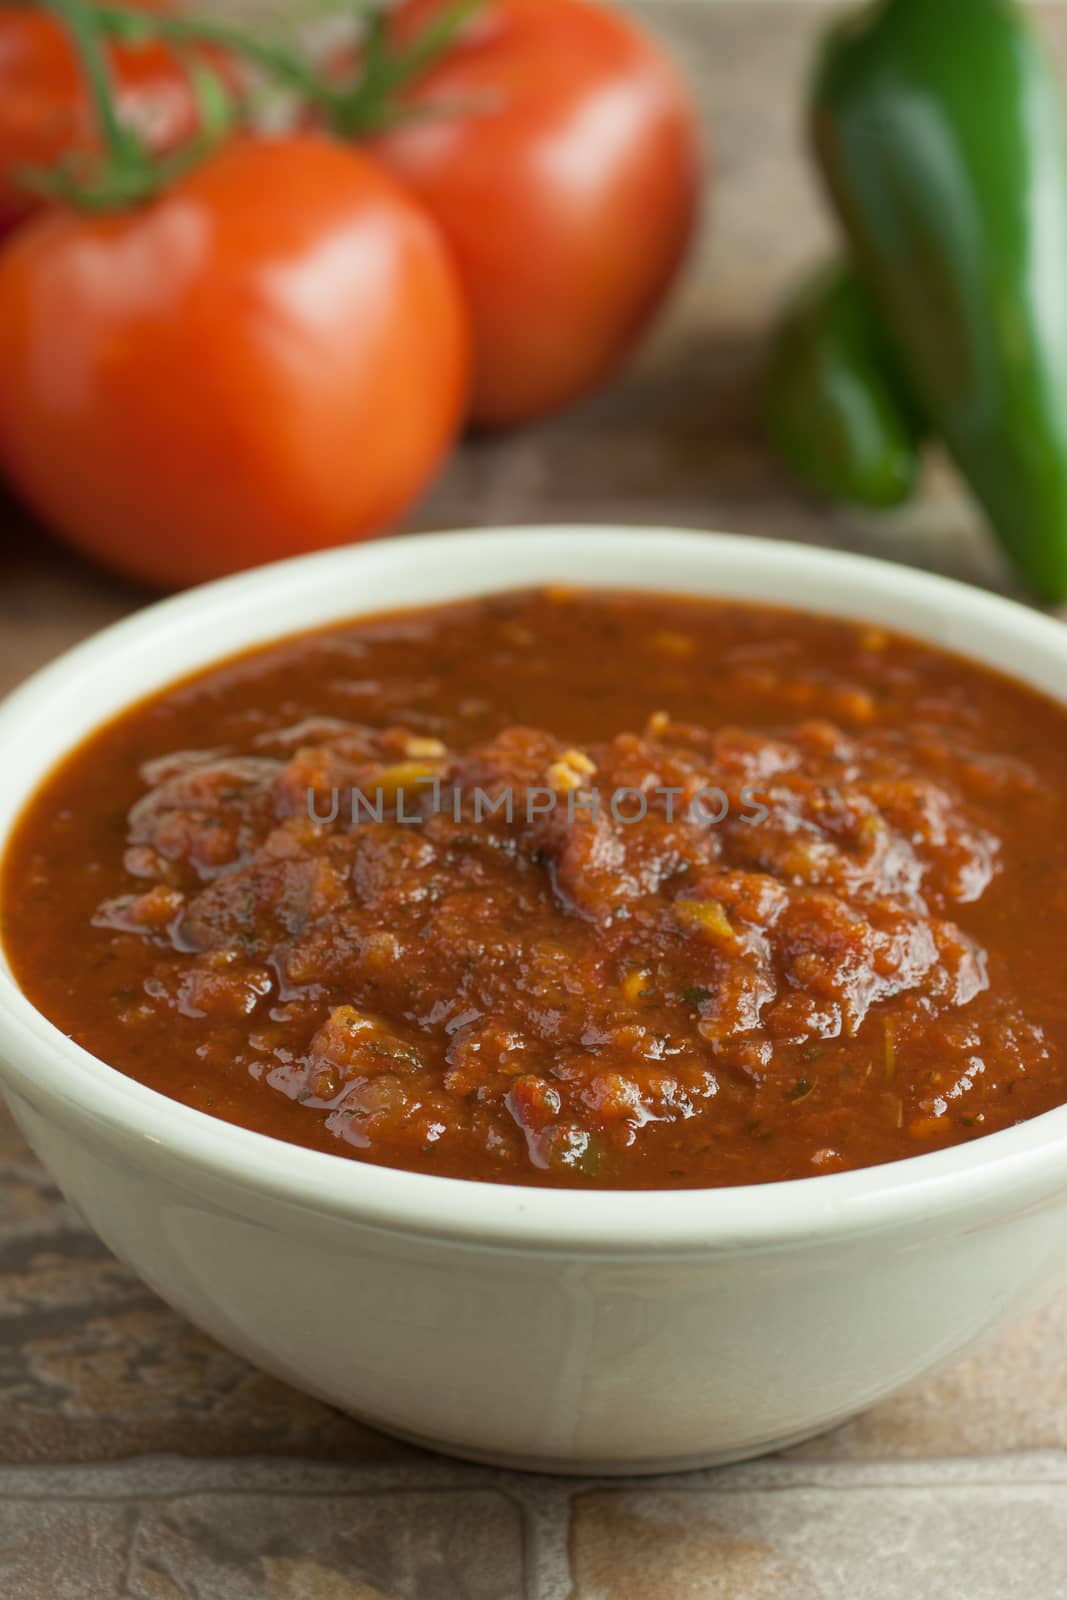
(272, 358)
(557, 148)
(45, 112)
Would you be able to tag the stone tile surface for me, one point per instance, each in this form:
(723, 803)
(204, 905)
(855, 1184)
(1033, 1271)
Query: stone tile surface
(448, 1544)
(957, 1487)
(49, 1549)
(982, 1543)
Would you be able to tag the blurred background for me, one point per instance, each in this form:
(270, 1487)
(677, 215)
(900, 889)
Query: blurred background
(676, 437)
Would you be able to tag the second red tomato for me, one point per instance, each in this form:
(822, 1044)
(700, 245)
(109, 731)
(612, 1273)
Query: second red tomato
(557, 149)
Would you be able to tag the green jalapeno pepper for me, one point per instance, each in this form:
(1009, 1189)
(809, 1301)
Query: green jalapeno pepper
(940, 129)
(834, 407)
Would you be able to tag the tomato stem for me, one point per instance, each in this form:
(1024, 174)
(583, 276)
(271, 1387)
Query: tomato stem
(369, 104)
(366, 105)
(435, 39)
(126, 172)
(121, 144)
(279, 62)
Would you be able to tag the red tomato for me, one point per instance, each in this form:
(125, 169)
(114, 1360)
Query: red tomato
(44, 109)
(272, 357)
(557, 149)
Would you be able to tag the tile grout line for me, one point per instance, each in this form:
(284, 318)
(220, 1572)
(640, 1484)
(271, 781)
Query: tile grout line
(173, 1477)
(546, 1511)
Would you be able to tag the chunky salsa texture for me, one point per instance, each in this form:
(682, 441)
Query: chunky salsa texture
(569, 887)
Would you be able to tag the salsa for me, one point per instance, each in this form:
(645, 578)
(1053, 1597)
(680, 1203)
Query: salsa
(568, 887)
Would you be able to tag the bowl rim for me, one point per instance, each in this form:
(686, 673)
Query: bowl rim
(60, 1079)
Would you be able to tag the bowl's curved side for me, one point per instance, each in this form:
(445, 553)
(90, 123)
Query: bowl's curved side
(582, 1363)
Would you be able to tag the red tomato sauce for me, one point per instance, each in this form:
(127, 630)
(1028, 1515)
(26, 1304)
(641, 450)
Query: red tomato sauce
(569, 888)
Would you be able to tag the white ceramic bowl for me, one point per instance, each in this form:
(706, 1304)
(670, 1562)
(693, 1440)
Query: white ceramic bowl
(602, 1332)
